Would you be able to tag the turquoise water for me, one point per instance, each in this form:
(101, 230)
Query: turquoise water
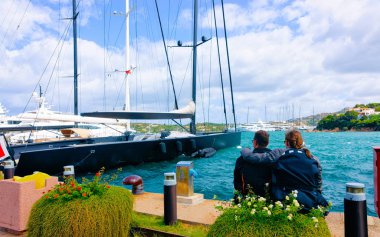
(345, 157)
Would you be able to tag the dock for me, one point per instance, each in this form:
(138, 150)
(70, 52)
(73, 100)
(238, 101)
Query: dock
(204, 213)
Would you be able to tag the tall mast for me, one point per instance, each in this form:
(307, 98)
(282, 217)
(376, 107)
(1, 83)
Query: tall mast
(75, 14)
(127, 105)
(194, 87)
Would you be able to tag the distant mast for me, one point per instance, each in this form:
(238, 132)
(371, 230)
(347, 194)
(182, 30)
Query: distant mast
(194, 87)
(127, 104)
(75, 14)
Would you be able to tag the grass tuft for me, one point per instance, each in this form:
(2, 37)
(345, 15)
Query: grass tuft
(108, 214)
(235, 223)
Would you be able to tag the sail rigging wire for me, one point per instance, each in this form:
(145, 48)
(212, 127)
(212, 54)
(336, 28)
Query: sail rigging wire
(167, 57)
(220, 64)
(51, 57)
(9, 25)
(229, 66)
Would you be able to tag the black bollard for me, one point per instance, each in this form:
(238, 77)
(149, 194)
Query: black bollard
(170, 199)
(9, 169)
(355, 211)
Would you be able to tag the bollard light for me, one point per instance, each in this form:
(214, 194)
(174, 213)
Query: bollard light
(9, 169)
(355, 211)
(170, 198)
(68, 172)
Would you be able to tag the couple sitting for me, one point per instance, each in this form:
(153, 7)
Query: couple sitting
(280, 170)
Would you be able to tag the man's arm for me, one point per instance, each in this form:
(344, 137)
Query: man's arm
(319, 178)
(238, 184)
(261, 158)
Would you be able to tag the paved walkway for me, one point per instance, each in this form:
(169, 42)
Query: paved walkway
(205, 213)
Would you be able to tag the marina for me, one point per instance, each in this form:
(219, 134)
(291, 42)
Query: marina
(153, 94)
(345, 157)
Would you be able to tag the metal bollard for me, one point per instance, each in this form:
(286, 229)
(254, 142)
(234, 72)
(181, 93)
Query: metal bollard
(9, 169)
(355, 211)
(170, 199)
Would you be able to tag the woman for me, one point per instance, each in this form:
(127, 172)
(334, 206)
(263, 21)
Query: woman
(297, 169)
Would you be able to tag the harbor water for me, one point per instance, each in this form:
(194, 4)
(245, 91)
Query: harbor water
(345, 157)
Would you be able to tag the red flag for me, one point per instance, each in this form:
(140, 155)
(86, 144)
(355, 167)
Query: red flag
(3, 148)
(128, 71)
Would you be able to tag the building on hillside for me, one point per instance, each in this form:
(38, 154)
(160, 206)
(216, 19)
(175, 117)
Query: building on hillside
(364, 111)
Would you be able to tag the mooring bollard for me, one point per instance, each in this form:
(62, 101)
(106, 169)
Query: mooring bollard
(136, 182)
(355, 211)
(170, 199)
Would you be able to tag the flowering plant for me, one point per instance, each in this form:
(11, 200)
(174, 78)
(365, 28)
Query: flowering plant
(71, 189)
(260, 208)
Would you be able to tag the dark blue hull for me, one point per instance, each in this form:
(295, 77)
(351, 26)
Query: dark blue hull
(92, 154)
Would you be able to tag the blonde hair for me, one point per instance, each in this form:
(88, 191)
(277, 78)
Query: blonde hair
(294, 139)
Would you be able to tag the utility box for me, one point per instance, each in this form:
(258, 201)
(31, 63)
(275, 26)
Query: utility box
(185, 181)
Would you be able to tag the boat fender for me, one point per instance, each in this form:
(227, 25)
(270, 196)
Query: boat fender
(193, 144)
(163, 147)
(206, 153)
(179, 146)
(136, 182)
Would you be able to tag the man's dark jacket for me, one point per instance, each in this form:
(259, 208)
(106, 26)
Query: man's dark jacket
(253, 176)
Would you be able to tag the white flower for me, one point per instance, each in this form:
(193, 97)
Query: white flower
(316, 225)
(290, 216)
(294, 191)
(261, 199)
(287, 197)
(270, 206)
(249, 204)
(295, 202)
(269, 213)
(287, 208)
(253, 211)
(278, 203)
(315, 219)
(239, 206)
(265, 208)
(295, 195)
(266, 184)
(232, 200)
(236, 217)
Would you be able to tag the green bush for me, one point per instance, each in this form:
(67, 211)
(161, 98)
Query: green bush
(89, 209)
(258, 216)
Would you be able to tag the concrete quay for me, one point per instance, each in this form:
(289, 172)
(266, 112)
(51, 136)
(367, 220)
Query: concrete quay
(204, 213)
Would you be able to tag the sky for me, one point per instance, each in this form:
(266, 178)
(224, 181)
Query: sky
(288, 58)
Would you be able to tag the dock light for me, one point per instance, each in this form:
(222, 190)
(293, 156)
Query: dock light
(136, 182)
(9, 169)
(355, 211)
(68, 172)
(170, 198)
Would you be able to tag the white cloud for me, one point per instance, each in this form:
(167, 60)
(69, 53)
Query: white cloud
(284, 54)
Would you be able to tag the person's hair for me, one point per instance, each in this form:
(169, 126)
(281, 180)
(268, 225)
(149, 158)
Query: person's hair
(294, 139)
(262, 138)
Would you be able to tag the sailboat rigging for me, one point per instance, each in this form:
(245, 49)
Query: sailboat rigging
(93, 153)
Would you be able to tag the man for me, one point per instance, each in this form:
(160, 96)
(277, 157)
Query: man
(254, 177)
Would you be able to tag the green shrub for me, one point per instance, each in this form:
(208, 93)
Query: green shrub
(258, 216)
(89, 209)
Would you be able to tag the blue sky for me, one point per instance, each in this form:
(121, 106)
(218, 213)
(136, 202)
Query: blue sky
(301, 54)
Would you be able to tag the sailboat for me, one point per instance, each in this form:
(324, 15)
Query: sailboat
(130, 149)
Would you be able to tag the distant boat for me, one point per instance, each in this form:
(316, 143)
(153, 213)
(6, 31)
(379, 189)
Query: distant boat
(256, 126)
(90, 154)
